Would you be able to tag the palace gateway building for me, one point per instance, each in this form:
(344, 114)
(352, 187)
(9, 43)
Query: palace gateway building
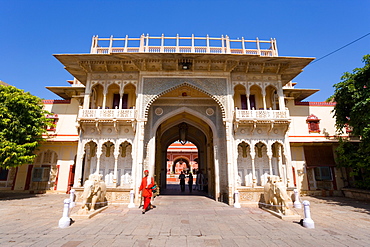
(234, 99)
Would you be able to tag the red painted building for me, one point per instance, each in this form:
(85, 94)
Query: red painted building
(182, 158)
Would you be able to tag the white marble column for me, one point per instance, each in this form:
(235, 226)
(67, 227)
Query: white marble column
(79, 163)
(86, 104)
(254, 179)
(230, 164)
(98, 155)
(269, 155)
(217, 173)
(289, 170)
(248, 102)
(280, 161)
(281, 99)
(137, 167)
(116, 156)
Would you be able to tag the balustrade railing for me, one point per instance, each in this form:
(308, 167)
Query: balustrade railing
(261, 114)
(123, 114)
(162, 44)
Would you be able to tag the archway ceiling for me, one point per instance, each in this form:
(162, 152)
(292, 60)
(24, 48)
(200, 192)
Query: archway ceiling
(170, 132)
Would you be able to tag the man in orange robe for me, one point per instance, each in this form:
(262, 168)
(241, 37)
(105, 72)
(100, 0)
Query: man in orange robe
(146, 187)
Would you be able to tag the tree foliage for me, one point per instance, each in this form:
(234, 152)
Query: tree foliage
(352, 97)
(22, 123)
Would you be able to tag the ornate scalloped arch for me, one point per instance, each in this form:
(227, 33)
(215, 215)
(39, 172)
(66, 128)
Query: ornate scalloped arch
(239, 141)
(243, 84)
(151, 101)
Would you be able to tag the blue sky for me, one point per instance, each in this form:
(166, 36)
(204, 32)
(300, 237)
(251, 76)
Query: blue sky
(32, 31)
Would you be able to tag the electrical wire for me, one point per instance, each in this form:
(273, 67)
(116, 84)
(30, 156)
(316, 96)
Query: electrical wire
(340, 48)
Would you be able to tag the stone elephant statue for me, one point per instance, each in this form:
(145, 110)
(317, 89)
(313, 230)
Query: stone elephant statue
(282, 198)
(94, 192)
(275, 195)
(269, 191)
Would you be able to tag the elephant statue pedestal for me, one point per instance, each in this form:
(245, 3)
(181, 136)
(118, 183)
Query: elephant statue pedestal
(93, 196)
(277, 201)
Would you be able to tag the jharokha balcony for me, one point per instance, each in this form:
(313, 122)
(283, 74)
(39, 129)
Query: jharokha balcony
(241, 115)
(253, 117)
(107, 114)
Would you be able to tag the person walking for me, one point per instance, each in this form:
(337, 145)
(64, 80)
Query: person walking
(146, 190)
(182, 181)
(190, 182)
(200, 180)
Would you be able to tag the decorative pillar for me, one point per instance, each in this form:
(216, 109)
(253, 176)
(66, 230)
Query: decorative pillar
(120, 101)
(281, 99)
(104, 100)
(79, 163)
(217, 173)
(280, 161)
(253, 155)
(269, 155)
(248, 102)
(98, 154)
(121, 92)
(86, 104)
(137, 170)
(116, 155)
(231, 166)
(264, 100)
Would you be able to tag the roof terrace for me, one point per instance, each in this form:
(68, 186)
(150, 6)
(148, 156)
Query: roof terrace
(199, 45)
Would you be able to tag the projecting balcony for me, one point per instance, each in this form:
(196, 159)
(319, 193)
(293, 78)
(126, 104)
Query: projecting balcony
(107, 114)
(245, 115)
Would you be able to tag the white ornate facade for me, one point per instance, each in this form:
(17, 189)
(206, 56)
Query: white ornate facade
(129, 102)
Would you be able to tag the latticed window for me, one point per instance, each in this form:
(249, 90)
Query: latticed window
(41, 174)
(55, 119)
(313, 124)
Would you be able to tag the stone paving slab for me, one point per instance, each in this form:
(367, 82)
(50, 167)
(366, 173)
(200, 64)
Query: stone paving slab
(181, 220)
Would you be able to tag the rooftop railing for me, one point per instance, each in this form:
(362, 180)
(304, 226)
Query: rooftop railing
(162, 44)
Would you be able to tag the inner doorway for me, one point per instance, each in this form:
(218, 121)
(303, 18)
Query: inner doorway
(181, 132)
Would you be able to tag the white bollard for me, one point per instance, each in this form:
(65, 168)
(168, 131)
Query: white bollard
(65, 221)
(132, 195)
(307, 221)
(237, 203)
(72, 198)
(297, 203)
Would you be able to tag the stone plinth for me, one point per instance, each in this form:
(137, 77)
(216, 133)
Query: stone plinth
(253, 197)
(113, 195)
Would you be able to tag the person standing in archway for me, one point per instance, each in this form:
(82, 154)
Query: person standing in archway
(146, 187)
(182, 181)
(190, 182)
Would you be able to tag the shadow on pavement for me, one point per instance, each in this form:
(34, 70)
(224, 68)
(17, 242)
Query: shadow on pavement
(7, 195)
(357, 205)
(174, 189)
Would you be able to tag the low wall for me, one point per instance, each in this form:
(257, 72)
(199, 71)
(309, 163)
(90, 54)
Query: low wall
(253, 196)
(363, 195)
(114, 195)
(323, 193)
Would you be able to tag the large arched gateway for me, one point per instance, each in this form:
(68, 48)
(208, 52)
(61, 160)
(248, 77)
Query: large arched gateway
(187, 114)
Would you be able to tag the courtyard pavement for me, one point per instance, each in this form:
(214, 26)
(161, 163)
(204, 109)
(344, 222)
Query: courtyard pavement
(180, 220)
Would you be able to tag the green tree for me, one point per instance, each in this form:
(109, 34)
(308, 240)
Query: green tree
(22, 123)
(352, 97)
